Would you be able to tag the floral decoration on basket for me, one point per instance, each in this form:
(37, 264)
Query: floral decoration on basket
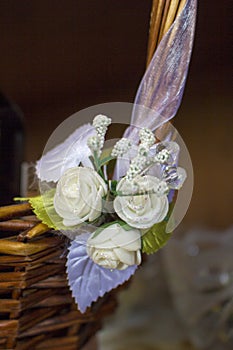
(115, 204)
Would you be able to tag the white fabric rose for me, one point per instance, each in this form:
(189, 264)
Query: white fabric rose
(144, 210)
(115, 247)
(78, 196)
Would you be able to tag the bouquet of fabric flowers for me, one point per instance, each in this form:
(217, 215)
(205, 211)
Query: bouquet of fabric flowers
(111, 221)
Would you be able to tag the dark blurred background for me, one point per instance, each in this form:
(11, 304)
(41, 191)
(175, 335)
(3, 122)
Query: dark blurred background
(58, 57)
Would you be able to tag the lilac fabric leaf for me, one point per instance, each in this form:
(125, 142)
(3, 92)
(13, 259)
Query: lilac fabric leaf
(66, 155)
(87, 280)
(162, 86)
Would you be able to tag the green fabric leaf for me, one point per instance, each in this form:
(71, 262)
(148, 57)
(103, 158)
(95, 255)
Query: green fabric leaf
(44, 209)
(156, 237)
(124, 225)
(105, 160)
(39, 204)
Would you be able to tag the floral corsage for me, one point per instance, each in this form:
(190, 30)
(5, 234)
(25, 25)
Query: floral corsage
(110, 221)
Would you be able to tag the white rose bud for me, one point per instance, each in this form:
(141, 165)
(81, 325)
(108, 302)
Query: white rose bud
(115, 247)
(78, 196)
(141, 210)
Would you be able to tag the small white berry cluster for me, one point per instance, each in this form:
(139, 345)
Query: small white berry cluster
(100, 123)
(136, 167)
(141, 161)
(121, 147)
(93, 143)
(161, 188)
(162, 156)
(146, 137)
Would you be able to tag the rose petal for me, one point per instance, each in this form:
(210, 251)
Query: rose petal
(125, 256)
(129, 240)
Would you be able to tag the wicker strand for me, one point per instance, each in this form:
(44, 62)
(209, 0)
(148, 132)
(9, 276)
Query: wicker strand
(155, 22)
(16, 225)
(170, 11)
(163, 14)
(33, 232)
(11, 211)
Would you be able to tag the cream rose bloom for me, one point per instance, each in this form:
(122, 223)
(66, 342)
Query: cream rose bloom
(140, 211)
(115, 248)
(78, 196)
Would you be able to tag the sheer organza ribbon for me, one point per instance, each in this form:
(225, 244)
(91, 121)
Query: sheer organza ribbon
(161, 89)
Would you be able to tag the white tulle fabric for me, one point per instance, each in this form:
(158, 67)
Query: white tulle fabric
(66, 155)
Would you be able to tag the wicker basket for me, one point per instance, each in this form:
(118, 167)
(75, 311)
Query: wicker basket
(37, 310)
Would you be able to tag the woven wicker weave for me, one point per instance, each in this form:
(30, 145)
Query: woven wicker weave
(37, 310)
